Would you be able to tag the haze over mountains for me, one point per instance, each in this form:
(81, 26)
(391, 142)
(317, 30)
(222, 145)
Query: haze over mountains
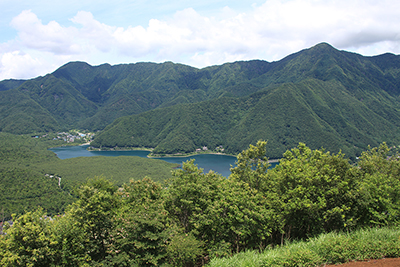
(321, 96)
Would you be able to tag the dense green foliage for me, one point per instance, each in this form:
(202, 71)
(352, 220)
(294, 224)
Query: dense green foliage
(320, 96)
(198, 216)
(343, 102)
(29, 174)
(10, 84)
(120, 170)
(332, 248)
(22, 190)
(23, 150)
(23, 187)
(20, 114)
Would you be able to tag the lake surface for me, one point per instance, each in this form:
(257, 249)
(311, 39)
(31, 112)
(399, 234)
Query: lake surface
(218, 163)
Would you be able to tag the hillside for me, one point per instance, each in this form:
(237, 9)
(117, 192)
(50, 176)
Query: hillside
(29, 174)
(321, 96)
(318, 113)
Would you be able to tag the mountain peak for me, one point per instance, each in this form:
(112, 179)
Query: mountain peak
(322, 47)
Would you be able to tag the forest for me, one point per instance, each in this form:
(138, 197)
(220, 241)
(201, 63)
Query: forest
(195, 217)
(29, 173)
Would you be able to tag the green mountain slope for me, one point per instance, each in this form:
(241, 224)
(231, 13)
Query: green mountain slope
(318, 113)
(10, 84)
(21, 114)
(315, 112)
(64, 102)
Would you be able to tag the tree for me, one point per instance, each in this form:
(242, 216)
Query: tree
(94, 212)
(379, 198)
(71, 241)
(141, 228)
(189, 200)
(226, 215)
(29, 242)
(316, 189)
(252, 165)
(245, 217)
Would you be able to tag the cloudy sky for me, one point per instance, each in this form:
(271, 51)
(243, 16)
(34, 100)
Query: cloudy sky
(37, 37)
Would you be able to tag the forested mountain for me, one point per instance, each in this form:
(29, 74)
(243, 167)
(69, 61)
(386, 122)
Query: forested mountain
(10, 84)
(321, 96)
(318, 113)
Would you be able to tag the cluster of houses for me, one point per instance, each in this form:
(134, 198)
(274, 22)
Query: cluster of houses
(70, 138)
(204, 149)
(218, 149)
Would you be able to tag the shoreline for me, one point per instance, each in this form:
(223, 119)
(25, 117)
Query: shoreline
(119, 149)
(195, 154)
(188, 155)
(178, 155)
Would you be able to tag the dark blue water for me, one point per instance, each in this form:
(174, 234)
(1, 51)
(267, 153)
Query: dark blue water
(218, 163)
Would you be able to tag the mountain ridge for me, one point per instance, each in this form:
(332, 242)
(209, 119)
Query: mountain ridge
(350, 99)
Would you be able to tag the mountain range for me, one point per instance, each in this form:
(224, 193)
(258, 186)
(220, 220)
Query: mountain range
(321, 96)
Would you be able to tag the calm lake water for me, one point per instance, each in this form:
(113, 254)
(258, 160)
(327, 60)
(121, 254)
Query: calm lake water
(218, 163)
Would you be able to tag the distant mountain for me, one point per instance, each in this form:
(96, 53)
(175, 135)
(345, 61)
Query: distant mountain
(321, 96)
(10, 84)
(83, 96)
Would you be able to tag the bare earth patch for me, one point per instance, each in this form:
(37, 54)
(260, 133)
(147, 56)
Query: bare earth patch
(386, 262)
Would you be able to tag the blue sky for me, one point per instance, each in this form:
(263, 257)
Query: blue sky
(37, 37)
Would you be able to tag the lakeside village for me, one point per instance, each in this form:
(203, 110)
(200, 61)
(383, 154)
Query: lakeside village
(71, 136)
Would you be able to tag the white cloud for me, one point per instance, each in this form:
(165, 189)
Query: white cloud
(49, 38)
(93, 32)
(18, 66)
(269, 31)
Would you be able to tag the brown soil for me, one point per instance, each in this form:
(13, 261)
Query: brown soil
(387, 262)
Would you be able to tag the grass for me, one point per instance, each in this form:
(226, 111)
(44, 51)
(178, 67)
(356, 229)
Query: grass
(331, 248)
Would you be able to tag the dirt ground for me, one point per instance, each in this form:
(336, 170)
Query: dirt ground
(387, 262)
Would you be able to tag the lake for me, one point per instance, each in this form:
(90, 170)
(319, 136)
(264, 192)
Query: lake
(218, 163)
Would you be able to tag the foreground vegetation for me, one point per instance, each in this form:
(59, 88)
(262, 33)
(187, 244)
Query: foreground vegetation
(199, 217)
(331, 248)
